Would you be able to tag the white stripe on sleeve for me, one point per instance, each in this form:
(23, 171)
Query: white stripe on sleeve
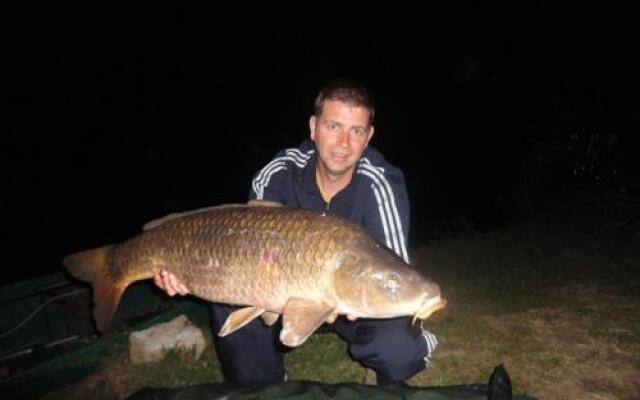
(261, 181)
(387, 205)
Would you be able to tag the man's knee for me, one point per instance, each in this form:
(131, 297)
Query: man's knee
(401, 361)
(248, 355)
(394, 348)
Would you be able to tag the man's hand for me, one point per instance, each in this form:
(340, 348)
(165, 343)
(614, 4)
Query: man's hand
(332, 318)
(170, 284)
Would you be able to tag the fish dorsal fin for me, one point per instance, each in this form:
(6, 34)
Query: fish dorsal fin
(269, 317)
(159, 221)
(264, 203)
(252, 203)
(238, 319)
(300, 318)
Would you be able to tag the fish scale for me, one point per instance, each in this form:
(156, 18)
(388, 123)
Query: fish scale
(239, 264)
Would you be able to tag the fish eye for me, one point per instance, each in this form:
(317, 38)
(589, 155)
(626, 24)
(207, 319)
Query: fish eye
(392, 281)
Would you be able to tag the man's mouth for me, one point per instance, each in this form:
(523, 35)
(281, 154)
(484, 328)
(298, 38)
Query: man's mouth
(340, 156)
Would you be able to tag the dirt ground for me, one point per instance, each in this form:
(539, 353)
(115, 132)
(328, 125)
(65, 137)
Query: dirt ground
(555, 299)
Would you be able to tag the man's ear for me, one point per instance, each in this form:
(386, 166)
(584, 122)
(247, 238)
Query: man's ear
(370, 135)
(312, 128)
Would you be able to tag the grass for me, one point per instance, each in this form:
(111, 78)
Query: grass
(555, 299)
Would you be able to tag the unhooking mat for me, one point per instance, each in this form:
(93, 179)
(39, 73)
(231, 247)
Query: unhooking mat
(499, 388)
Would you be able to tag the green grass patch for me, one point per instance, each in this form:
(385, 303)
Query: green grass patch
(323, 358)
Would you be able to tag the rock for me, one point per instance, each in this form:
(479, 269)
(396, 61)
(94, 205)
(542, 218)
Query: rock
(152, 344)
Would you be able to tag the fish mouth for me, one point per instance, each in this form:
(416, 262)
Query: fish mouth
(429, 307)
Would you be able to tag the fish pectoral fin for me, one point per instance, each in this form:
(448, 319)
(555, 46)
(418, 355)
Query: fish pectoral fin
(269, 318)
(300, 318)
(239, 318)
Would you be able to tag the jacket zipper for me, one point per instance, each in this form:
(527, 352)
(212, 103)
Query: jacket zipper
(327, 207)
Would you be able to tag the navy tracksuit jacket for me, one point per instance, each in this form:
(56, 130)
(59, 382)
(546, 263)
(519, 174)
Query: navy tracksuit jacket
(376, 198)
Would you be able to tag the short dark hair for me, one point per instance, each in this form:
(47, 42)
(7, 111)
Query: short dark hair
(348, 91)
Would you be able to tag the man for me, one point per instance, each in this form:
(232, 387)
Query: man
(335, 172)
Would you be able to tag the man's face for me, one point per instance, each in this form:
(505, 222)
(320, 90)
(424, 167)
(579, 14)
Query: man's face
(341, 134)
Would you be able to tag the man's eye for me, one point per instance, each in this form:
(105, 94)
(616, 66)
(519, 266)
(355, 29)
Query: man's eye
(359, 131)
(332, 126)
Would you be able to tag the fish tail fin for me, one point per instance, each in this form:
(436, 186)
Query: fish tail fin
(93, 266)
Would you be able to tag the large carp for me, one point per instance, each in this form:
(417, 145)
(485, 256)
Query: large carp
(274, 260)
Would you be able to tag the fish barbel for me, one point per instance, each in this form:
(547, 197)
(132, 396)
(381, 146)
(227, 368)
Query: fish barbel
(273, 260)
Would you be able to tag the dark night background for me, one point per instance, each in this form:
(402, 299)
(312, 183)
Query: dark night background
(120, 115)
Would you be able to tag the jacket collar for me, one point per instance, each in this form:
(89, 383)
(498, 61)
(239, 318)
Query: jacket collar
(309, 184)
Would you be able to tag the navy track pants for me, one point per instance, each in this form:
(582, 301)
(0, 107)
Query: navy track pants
(391, 347)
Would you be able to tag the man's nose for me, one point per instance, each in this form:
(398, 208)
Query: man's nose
(343, 139)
